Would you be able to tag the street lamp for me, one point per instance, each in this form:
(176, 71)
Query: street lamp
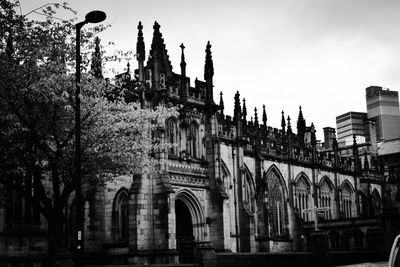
(91, 17)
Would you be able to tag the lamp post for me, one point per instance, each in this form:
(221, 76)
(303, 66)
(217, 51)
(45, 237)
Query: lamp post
(92, 17)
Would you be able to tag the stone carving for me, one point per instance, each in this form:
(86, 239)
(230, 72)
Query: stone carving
(188, 175)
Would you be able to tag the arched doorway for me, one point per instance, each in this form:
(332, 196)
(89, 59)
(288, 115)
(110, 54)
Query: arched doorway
(184, 232)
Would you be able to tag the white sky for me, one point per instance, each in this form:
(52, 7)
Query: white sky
(320, 54)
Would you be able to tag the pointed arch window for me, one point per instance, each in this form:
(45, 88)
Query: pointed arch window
(303, 198)
(225, 179)
(19, 211)
(346, 201)
(326, 198)
(248, 193)
(172, 135)
(376, 203)
(276, 205)
(193, 140)
(363, 204)
(121, 215)
(15, 209)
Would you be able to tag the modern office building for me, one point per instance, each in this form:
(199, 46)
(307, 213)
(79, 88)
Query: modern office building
(349, 124)
(383, 108)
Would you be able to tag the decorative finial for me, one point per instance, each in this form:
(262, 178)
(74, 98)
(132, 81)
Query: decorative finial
(289, 127)
(140, 50)
(156, 26)
(244, 109)
(209, 67)
(183, 63)
(264, 116)
(255, 117)
(221, 103)
(237, 109)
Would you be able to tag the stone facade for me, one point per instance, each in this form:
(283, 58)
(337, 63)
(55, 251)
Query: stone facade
(233, 183)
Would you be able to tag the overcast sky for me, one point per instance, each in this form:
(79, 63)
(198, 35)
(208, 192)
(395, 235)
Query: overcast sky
(320, 54)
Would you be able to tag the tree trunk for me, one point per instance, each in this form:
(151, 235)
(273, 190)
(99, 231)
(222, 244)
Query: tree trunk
(60, 254)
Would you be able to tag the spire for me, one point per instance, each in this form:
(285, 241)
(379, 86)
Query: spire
(140, 50)
(209, 66)
(289, 127)
(255, 117)
(283, 124)
(95, 67)
(301, 127)
(128, 67)
(183, 63)
(237, 110)
(244, 111)
(159, 53)
(208, 75)
(183, 89)
(264, 117)
(221, 103)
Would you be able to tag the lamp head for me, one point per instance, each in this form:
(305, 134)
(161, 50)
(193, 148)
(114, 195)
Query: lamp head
(95, 16)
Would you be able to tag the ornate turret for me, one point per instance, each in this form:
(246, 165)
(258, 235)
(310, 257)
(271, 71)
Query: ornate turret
(155, 54)
(183, 63)
(208, 75)
(289, 127)
(96, 66)
(221, 104)
(158, 59)
(244, 111)
(301, 127)
(264, 117)
(283, 124)
(183, 89)
(140, 52)
(237, 112)
(255, 117)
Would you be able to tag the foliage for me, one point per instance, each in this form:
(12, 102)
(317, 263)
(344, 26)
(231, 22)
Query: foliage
(37, 89)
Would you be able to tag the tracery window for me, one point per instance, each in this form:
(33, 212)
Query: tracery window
(121, 215)
(172, 135)
(276, 205)
(15, 208)
(225, 179)
(193, 140)
(376, 203)
(303, 198)
(326, 197)
(248, 193)
(363, 204)
(346, 200)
